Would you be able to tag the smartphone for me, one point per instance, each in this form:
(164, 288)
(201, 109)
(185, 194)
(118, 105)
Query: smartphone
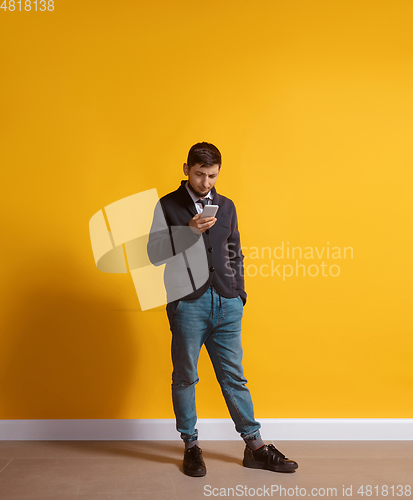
(209, 211)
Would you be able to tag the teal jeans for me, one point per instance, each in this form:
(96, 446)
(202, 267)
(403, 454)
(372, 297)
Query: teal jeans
(215, 321)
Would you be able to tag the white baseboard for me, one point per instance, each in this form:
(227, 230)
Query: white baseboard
(294, 429)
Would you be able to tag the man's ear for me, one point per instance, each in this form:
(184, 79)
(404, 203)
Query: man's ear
(186, 169)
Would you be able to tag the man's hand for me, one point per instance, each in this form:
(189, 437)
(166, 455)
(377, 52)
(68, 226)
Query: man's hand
(199, 225)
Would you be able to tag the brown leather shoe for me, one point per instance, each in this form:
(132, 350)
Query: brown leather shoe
(269, 458)
(194, 464)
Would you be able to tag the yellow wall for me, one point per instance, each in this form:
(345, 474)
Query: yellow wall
(311, 105)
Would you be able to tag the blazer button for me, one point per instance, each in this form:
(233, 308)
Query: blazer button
(207, 231)
(210, 249)
(212, 268)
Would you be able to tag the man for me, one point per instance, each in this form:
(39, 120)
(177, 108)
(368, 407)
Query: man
(204, 280)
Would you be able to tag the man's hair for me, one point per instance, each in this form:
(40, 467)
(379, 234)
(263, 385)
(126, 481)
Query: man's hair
(205, 154)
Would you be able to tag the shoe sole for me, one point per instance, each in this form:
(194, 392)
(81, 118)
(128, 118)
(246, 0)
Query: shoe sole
(274, 468)
(200, 473)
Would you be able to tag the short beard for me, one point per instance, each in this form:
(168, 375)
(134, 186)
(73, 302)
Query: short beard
(200, 195)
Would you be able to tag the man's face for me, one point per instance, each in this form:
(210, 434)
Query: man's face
(201, 179)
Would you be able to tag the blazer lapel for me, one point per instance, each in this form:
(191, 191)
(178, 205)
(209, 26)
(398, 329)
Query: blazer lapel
(186, 199)
(215, 196)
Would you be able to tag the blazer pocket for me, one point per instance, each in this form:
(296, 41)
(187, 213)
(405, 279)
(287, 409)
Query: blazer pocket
(225, 221)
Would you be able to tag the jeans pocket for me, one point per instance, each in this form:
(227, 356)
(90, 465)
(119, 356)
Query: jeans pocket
(175, 306)
(172, 309)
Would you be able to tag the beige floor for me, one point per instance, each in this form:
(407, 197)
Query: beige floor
(118, 470)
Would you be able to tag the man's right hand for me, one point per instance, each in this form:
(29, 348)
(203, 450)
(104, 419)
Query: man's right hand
(199, 225)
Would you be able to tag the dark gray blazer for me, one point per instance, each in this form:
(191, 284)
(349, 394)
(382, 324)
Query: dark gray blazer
(192, 264)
